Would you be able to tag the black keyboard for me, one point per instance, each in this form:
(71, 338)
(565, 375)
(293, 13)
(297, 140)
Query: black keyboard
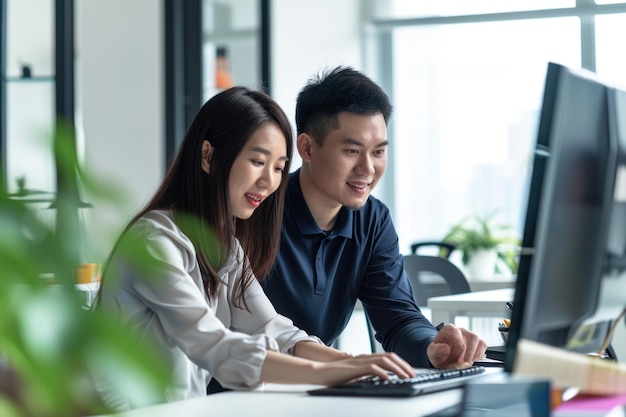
(424, 381)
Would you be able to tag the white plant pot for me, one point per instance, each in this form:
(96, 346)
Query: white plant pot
(482, 264)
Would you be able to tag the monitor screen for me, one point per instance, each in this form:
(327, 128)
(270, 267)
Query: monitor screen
(570, 247)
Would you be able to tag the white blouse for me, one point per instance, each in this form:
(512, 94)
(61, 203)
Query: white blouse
(201, 337)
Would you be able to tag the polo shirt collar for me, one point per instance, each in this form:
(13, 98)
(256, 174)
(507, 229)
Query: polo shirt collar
(306, 223)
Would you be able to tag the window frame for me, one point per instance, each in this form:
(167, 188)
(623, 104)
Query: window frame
(378, 41)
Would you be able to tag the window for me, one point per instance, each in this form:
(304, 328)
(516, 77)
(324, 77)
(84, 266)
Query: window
(610, 61)
(403, 9)
(467, 94)
(231, 45)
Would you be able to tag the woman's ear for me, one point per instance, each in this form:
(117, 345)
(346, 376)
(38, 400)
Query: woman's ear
(207, 152)
(304, 143)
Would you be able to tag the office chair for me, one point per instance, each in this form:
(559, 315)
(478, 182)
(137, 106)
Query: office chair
(445, 248)
(430, 276)
(451, 279)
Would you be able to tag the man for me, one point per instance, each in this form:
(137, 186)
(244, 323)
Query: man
(338, 243)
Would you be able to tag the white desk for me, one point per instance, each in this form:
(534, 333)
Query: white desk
(476, 284)
(472, 304)
(496, 283)
(292, 400)
(496, 393)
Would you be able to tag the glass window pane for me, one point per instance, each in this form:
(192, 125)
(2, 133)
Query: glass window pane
(30, 124)
(467, 100)
(404, 9)
(231, 44)
(610, 59)
(25, 46)
(30, 100)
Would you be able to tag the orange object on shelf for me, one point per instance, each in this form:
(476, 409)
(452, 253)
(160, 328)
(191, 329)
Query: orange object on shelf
(87, 273)
(223, 79)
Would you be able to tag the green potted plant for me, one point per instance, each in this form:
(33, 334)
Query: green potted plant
(51, 347)
(485, 247)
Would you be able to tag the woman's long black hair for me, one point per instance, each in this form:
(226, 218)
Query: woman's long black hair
(227, 121)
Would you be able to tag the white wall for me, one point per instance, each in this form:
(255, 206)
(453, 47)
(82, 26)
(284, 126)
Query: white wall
(120, 89)
(306, 37)
(120, 81)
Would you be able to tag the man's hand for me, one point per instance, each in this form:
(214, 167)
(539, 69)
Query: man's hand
(455, 347)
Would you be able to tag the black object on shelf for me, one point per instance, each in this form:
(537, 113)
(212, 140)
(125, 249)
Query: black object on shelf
(26, 71)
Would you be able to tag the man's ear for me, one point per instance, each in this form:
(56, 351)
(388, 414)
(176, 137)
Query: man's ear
(304, 142)
(207, 152)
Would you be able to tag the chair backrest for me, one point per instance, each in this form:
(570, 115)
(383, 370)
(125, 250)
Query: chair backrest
(445, 248)
(432, 276)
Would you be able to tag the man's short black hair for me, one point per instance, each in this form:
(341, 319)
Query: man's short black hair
(342, 89)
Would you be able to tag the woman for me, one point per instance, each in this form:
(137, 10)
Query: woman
(209, 233)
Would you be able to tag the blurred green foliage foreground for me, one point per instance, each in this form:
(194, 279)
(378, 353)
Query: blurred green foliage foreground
(50, 346)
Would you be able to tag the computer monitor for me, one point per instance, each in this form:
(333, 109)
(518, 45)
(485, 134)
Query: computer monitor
(571, 265)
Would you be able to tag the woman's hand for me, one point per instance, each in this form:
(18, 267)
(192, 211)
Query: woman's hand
(376, 364)
(286, 369)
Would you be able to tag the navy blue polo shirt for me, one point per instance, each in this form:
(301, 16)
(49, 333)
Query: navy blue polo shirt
(319, 276)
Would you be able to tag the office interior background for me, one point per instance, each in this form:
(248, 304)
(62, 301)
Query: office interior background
(465, 78)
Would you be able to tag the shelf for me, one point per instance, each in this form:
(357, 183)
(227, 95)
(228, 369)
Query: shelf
(230, 35)
(52, 200)
(79, 204)
(33, 197)
(42, 78)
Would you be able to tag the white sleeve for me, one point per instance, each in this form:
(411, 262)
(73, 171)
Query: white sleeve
(187, 320)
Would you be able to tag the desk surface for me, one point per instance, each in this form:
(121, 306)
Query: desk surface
(275, 400)
(495, 283)
(496, 391)
(501, 295)
(490, 303)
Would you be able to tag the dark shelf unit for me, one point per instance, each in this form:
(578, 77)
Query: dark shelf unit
(63, 80)
(66, 198)
(3, 35)
(184, 68)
